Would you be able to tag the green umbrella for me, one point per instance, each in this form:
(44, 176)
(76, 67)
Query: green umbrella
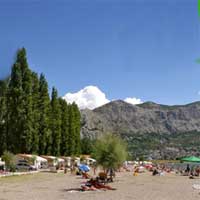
(190, 159)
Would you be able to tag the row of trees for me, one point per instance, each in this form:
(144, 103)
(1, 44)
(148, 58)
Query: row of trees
(31, 121)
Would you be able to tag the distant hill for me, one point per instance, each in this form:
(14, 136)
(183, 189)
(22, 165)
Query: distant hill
(151, 130)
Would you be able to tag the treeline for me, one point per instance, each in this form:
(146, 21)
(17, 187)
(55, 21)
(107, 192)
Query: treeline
(31, 121)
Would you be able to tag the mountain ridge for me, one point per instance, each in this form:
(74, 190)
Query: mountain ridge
(143, 120)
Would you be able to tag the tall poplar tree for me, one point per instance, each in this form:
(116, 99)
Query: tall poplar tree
(31, 122)
(15, 109)
(20, 105)
(55, 123)
(3, 116)
(72, 132)
(76, 124)
(27, 114)
(44, 110)
(36, 113)
(64, 127)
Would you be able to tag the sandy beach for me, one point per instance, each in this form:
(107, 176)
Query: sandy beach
(49, 186)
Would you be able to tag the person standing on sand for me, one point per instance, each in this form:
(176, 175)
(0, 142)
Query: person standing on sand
(187, 169)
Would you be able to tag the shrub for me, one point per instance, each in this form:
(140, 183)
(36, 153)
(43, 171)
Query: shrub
(9, 159)
(110, 151)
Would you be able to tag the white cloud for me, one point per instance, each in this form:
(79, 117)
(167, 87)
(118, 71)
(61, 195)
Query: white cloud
(133, 100)
(92, 97)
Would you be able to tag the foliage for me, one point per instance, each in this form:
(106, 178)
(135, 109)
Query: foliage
(142, 145)
(76, 124)
(33, 159)
(9, 159)
(55, 123)
(3, 115)
(64, 127)
(74, 146)
(44, 111)
(87, 145)
(31, 121)
(110, 151)
(36, 113)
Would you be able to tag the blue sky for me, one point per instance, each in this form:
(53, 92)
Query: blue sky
(131, 48)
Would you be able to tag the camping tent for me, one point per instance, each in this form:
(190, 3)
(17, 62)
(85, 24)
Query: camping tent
(190, 159)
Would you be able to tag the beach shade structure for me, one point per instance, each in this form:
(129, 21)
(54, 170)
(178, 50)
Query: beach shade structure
(84, 168)
(190, 159)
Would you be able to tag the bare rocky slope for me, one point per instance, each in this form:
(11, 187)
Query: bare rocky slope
(151, 130)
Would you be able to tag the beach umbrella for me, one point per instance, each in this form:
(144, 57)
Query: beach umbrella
(84, 168)
(190, 159)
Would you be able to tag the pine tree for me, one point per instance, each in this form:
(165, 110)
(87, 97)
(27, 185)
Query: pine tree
(55, 123)
(43, 107)
(64, 127)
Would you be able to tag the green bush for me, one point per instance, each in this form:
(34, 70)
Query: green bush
(110, 151)
(9, 159)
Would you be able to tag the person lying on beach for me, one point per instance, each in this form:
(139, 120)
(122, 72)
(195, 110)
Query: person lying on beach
(95, 183)
(91, 185)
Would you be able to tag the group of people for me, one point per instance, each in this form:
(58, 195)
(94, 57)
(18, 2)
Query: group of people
(191, 171)
(98, 183)
(188, 171)
(95, 184)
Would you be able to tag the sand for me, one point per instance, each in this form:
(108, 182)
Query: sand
(49, 186)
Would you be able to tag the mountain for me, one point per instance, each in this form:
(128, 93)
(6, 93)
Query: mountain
(151, 130)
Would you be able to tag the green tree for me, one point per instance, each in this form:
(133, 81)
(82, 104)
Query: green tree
(15, 109)
(87, 145)
(9, 159)
(3, 116)
(72, 132)
(36, 113)
(55, 123)
(64, 127)
(20, 105)
(74, 147)
(27, 115)
(110, 151)
(44, 111)
(77, 128)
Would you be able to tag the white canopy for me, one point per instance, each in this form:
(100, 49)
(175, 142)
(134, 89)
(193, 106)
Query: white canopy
(40, 159)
